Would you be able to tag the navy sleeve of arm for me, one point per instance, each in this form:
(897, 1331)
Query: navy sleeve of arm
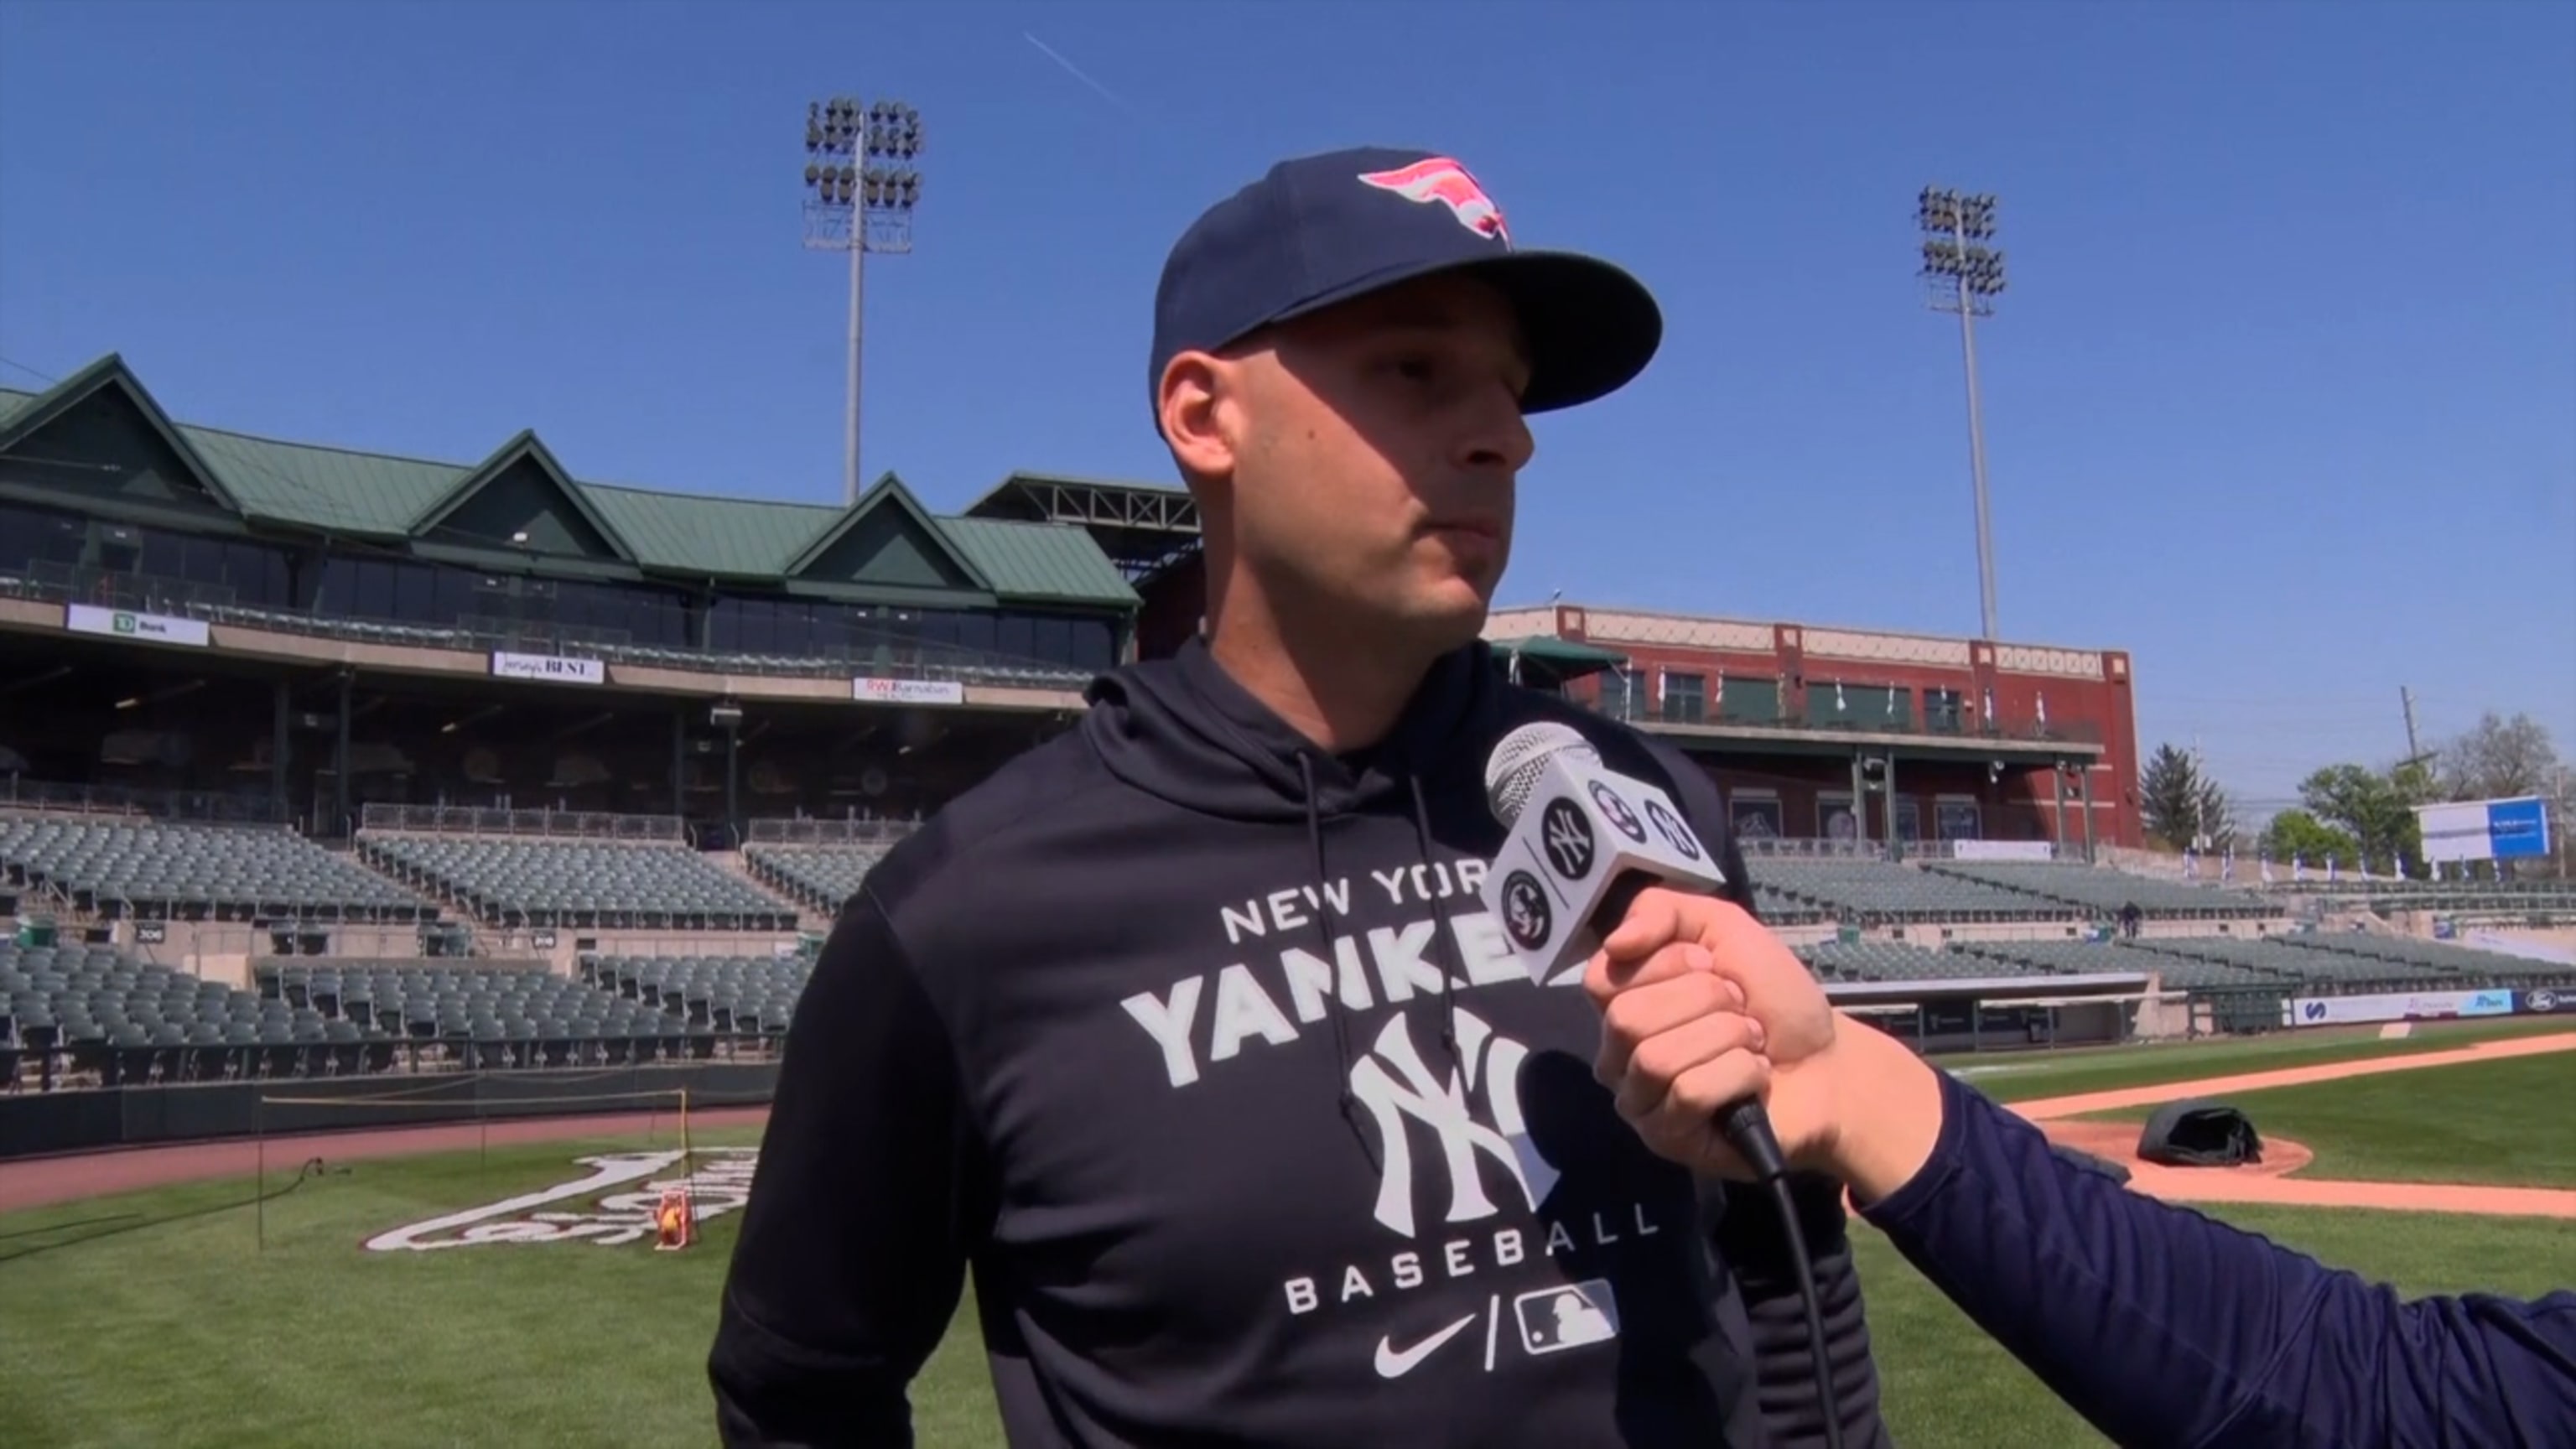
(862, 1215)
(2162, 1326)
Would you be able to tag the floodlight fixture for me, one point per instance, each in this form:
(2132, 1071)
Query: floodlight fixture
(862, 186)
(1963, 274)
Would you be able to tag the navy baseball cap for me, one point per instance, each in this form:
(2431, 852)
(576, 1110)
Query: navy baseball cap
(1320, 230)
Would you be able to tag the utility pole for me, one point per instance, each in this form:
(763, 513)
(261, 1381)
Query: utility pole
(2199, 797)
(1965, 277)
(2416, 754)
(2558, 809)
(860, 190)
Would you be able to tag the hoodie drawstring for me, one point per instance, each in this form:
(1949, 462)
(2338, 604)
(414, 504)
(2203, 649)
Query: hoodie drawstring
(1441, 945)
(1342, 1059)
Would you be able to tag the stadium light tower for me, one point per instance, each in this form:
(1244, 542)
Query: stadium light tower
(861, 185)
(1965, 276)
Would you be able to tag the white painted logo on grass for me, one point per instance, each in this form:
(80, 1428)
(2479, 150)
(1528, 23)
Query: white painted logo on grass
(611, 1207)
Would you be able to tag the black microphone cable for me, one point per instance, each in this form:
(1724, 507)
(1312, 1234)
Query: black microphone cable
(1748, 1130)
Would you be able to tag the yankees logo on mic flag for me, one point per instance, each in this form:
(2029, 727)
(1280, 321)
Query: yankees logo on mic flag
(1580, 836)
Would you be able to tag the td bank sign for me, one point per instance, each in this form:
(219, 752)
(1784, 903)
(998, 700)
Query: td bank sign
(142, 628)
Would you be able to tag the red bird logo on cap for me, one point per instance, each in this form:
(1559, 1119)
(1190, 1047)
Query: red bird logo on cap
(1441, 179)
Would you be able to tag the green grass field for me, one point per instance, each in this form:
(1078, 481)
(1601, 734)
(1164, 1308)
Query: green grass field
(2026, 1077)
(158, 1319)
(2479, 1127)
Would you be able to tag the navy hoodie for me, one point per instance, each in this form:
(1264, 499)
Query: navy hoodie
(1196, 1044)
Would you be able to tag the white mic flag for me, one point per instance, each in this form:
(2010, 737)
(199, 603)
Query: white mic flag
(1581, 837)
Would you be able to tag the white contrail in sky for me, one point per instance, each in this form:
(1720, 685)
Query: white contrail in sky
(1075, 71)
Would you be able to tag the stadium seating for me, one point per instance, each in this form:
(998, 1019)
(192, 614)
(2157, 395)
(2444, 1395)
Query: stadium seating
(1890, 961)
(128, 1022)
(577, 883)
(2178, 972)
(1876, 892)
(2287, 966)
(2455, 966)
(483, 1017)
(2105, 892)
(197, 872)
(750, 994)
(819, 877)
(2435, 895)
(1777, 907)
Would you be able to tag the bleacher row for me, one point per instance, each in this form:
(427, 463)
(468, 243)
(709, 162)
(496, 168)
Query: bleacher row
(577, 883)
(2506, 897)
(200, 872)
(197, 872)
(2319, 964)
(191, 872)
(94, 1013)
(1866, 892)
(819, 878)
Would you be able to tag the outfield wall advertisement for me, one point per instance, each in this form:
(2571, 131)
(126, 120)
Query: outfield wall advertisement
(2514, 829)
(2394, 1006)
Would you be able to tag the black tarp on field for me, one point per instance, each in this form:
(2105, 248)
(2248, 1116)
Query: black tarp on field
(2200, 1133)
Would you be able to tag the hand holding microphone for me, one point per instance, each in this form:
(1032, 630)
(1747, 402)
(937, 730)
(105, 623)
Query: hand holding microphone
(1601, 871)
(1706, 1017)
(1585, 846)
(1701, 1007)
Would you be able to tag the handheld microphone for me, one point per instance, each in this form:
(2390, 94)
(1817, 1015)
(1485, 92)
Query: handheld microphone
(1566, 876)
(1570, 869)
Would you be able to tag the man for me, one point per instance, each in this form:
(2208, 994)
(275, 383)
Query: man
(2158, 1325)
(1186, 1031)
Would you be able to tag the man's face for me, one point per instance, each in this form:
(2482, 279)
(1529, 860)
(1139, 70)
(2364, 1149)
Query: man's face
(1374, 451)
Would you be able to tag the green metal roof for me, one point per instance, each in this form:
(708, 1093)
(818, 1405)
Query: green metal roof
(340, 491)
(1553, 650)
(1043, 560)
(1570, 658)
(722, 537)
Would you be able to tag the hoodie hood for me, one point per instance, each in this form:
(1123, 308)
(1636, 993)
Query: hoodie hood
(1183, 730)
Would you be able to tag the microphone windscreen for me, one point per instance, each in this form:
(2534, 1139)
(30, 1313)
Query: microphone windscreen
(1512, 772)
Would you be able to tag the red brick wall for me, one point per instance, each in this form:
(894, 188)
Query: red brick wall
(2021, 805)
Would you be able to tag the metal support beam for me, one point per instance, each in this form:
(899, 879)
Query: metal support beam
(281, 741)
(1887, 784)
(732, 783)
(680, 760)
(340, 757)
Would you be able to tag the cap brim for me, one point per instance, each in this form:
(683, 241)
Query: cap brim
(1591, 327)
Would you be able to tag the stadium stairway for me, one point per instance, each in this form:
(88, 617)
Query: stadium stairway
(807, 918)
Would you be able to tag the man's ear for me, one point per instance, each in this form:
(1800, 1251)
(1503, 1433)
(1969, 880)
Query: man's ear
(1192, 406)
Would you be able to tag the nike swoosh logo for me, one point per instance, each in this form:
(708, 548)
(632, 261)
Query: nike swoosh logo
(1394, 1363)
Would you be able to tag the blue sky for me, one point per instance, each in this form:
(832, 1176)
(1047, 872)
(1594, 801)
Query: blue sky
(2282, 396)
